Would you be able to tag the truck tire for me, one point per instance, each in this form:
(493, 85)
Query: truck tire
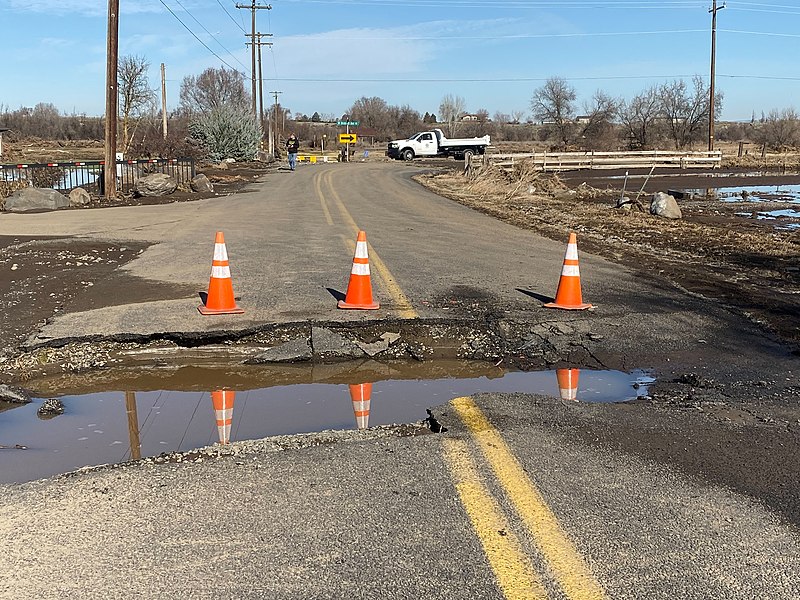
(407, 154)
(468, 154)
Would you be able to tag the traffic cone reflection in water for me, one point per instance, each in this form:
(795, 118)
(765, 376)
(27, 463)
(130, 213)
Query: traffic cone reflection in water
(223, 411)
(360, 395)
(568, 384)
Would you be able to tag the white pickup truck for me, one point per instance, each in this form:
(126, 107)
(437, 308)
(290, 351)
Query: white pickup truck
(434, 143)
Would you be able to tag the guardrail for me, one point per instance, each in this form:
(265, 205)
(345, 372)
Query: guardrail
(570, 161)
(89, 174)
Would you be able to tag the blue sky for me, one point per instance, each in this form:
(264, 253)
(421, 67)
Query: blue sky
(328, 53)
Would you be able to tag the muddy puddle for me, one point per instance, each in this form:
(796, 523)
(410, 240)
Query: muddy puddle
(115, 417)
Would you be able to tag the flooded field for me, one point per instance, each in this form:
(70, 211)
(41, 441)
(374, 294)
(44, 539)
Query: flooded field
(142, 414)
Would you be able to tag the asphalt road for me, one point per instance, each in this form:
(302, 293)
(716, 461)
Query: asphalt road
(518, 499)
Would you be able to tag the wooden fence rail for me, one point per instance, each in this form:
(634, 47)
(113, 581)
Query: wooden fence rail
(570, 161)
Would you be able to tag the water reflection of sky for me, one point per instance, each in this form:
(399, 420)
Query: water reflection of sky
(760, 193)
(100, 428)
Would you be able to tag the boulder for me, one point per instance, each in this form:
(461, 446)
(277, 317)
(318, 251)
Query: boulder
(664, 205)
(35, 199)
(157, 184)
(14, 395)
(201, 183)
(79, 197)
(52, 407)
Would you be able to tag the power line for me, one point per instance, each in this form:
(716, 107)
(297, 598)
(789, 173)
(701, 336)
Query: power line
(209, 33)
(510, 4)
(507, 37)
(197, 38)
(521, 79)
(231, 17)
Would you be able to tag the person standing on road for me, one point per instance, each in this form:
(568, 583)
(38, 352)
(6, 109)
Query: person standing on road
(292, 146)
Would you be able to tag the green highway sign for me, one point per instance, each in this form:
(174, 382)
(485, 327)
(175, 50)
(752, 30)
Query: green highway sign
(350, 123)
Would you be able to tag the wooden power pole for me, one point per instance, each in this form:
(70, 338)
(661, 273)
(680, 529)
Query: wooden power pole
(713, 10)
(259, 43)
(275, 94)
(164, 100)
(110, 171)
(253, 8)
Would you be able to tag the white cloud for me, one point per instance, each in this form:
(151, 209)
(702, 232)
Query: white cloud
(83, 7)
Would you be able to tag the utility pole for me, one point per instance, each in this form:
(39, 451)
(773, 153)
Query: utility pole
(259, 43)
(110, 171)
(164, 100)
(253, 8)
(713, 10)
(276, 119)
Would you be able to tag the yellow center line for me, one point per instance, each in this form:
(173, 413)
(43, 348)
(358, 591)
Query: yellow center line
(318, 189)
(402, 302)
(565, 562)
(512, 567)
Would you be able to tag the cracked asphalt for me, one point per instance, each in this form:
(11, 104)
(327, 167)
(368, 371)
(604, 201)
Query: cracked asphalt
(691, 492)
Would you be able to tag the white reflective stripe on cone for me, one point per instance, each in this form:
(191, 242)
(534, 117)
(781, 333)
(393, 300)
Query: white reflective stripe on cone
(221, 272)
(220, 253)
(359, 269)
(572, 252)
(571, 271)
(225, 414)
(361, 249)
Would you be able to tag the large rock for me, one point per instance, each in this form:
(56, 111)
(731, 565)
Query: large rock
(35, 199)
(201, 183)
(664, 205)
(79, 197)
(13, 395)
(157, 184)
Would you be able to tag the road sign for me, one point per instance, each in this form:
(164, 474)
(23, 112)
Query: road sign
(347, 138)
(346, 123)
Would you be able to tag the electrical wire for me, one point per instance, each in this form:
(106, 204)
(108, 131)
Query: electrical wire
(525, 79)
(508, 37)
(197, 38)
(209, 33)
(509, 4)
(231, 17)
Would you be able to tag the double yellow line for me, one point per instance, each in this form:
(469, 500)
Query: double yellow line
(400, 300)
(514, 571)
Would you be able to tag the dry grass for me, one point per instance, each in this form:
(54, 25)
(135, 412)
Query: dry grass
(709, 251)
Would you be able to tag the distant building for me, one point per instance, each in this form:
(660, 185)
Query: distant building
(583, 119)
(469, 117)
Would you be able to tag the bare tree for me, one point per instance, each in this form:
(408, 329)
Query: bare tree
(598, 130)
(450, 110)
(686, 111)
(639, 118)
(554, 105)
(135, 94)
(371, 112)
(213, 88)
(779, 129)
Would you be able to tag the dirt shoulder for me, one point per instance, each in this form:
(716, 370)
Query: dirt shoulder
(711, 252)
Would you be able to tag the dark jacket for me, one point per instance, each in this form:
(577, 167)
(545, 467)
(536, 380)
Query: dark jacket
(292, 145)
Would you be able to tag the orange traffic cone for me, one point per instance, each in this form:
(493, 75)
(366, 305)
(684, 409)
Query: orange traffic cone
(359, 290)
(568, 383)
(220, 299)
(360, 394)
(223, 409)
(568, 295)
